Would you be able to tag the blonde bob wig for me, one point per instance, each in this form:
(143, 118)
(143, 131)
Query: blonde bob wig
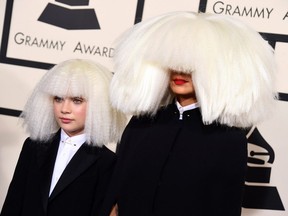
(74, 78)
(232, 67)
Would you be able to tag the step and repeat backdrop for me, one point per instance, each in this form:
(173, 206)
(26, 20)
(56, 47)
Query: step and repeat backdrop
(35, 35)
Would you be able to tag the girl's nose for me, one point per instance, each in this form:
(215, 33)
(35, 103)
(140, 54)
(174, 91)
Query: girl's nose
(65, 107)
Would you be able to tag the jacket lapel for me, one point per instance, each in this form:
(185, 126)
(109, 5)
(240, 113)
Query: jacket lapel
(46, 160)
(80, 162)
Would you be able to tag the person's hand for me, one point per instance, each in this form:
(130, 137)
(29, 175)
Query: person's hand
(114, 211)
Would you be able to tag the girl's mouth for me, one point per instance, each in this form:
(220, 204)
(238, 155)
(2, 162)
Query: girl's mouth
(65, 120)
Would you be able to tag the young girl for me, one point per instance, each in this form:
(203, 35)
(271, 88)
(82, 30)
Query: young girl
(64, 166)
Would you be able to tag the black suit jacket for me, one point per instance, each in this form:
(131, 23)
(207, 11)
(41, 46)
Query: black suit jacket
(172, 167)
(79, 191)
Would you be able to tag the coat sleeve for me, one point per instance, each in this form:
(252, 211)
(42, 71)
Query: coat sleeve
(123, 148)
(113, 187)
(14, 199)
(106, 167)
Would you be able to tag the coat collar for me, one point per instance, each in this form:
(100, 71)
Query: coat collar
(81, 161)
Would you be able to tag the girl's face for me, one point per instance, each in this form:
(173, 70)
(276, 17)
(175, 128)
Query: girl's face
(70, 114)
(182, 87)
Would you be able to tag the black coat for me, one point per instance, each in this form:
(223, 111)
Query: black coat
(79, 191)
(173, 167)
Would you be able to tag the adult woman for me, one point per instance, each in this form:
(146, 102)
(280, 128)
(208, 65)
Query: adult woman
(192, 82)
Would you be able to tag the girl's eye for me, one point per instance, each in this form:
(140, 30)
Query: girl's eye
(77, 100)
(58, 99)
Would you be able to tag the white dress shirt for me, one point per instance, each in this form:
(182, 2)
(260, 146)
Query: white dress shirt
(185, 108)
(68, 146)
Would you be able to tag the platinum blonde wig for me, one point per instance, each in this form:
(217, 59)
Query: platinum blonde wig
(74, 78)
(232, 67)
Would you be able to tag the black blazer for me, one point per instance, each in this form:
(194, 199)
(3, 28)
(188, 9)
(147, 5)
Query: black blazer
(79, 191)
(172, 167)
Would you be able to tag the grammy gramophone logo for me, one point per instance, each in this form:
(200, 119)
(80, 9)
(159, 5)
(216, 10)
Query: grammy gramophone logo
(63, 15)
(257, 194)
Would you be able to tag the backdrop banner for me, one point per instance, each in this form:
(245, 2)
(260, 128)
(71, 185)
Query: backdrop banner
(38, 34)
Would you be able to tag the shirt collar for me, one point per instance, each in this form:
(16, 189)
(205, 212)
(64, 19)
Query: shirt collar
(75, 140)
(182, 109)
(185, 108)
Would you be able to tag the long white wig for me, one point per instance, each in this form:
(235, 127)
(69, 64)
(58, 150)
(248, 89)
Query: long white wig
(232, 67)
(74, 78)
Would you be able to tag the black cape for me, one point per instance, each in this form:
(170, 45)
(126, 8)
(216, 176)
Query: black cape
(172, 167)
